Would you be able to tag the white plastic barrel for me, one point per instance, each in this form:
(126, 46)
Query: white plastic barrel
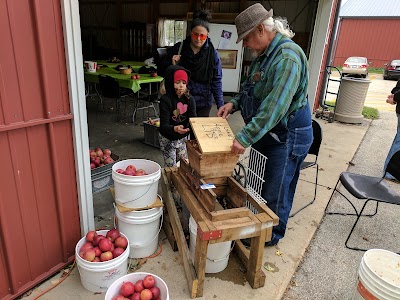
(142, 229)
(217, 254)
(133, 277)
(378, 276)
(136, 191)
(98, 276)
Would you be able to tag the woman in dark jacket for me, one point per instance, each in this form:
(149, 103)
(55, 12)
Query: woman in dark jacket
(199, 56)
(394, 98)
(176, 107)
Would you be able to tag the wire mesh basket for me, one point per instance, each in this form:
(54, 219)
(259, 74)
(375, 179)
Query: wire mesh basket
(249, 172)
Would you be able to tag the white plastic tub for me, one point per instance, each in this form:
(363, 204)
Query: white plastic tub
(98, 276)
(142, 229)
(133, 277)
(217, 254)
(136, 191)
(378, 276)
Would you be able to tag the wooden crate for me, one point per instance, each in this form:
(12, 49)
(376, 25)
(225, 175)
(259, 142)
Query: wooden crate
(217, 226)
(210, 155)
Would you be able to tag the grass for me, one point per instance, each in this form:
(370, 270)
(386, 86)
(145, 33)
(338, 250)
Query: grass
(367, 112)
(370, 70)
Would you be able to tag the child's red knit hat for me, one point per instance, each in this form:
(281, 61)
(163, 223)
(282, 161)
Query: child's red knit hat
(180, 75)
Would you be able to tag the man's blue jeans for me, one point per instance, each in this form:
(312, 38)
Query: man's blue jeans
(285, 148)
(394, 148)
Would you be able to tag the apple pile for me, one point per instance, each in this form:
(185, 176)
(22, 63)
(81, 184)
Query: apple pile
(99, 157)
(131, 171)
(135, 77)
(98, 248)
(145, 289)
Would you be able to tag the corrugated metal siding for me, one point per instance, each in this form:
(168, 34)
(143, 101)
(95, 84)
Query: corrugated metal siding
(370, 8)
(39, 217)
(374, 39)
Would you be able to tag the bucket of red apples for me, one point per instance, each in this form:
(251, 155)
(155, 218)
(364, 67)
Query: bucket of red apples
(102, 257)
(138, 286)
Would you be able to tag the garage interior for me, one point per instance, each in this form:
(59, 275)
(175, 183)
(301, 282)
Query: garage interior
(128, 30)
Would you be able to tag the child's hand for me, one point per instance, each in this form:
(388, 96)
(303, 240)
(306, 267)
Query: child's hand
(180, 129)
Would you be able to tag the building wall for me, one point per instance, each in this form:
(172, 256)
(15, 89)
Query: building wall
(376, 39)
(39, 214)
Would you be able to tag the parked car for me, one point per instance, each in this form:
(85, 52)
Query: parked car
(356, 66)
(392, 70)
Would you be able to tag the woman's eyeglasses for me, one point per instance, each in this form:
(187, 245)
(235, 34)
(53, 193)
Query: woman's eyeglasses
(196, 35)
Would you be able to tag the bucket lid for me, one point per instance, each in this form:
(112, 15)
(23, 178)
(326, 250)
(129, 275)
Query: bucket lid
(384, 264)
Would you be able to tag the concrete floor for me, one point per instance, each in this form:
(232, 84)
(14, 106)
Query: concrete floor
(340, 143)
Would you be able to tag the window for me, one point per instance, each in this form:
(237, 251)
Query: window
(170, 32)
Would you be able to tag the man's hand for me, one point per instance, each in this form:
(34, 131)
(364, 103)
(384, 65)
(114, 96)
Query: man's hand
(225, 110)
(390, 99)
(237, 147)
(176, 59)
(180, 129)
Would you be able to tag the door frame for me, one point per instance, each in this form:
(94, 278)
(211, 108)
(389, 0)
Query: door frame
(76, 89)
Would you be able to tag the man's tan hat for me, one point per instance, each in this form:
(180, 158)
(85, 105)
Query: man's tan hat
(248, 19)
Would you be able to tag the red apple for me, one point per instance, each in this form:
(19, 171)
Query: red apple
(129, 173)
(140, 172)
(117, 252)
(133, 77)
(97, 251)
(89, 255)
(85, 246)
(135, 296)
(107, 152)
(90, 235)
(105, 245)
(121, 242)
(99, 152)
(108, 160)
(105, 256)
(97, 239)
(146, 295)
(120, 171)
(93, 154)
(96, 259)
(137, 76)
(149, 281)
(139, 286)
(112, 234)
(127, 289)
(120, 297)
(155, 291)
(92, 166)
(131, 167)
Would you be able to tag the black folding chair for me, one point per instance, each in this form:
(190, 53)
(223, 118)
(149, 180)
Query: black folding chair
(368, 188)
(313, 154)
(109, 88)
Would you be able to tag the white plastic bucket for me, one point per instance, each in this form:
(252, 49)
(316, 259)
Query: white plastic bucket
(142, 229)
(133, 277)
(98, 276)
(217, 254)
(136, 191)
(378, 276)
(91, 66)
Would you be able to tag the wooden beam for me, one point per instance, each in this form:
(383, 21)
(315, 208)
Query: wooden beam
(179, 234)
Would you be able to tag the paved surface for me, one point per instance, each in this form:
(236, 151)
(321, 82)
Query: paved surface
(328, 271)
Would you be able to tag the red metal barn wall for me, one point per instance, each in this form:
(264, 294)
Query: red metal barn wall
(376, 39)
(39, 217)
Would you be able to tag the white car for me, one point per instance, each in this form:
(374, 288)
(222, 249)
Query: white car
(355, 65)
